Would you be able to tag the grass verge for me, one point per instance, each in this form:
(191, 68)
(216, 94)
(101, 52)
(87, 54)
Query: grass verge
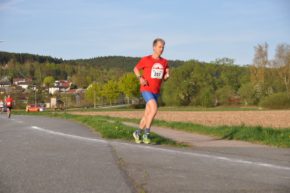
(108, 128)
(255, 134)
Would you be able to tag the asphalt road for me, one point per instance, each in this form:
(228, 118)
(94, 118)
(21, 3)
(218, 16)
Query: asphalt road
(45, 155)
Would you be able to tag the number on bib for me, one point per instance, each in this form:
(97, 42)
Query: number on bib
(157, 71)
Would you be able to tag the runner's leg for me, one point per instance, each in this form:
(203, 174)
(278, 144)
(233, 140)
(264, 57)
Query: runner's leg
(138, 132)
(152, 104)
(142, 124)
(8, 112)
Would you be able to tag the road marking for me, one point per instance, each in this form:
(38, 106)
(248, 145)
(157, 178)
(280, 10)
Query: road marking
(211, 157)
(68, 135)
(233, 160)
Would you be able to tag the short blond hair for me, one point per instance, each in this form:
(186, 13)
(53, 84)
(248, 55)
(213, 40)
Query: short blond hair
(158, 40)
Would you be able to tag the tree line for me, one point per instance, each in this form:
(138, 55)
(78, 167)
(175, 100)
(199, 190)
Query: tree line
(265, 82)
(81, 72)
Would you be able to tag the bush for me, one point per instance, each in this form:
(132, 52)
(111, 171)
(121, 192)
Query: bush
(276, 101)
(224, 94)
(205, 97)
(247, 94)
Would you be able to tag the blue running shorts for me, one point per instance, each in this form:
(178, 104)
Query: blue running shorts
(149, 95)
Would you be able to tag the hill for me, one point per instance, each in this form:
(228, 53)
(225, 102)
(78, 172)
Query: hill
(5, 57)
(80, 71)
(123, 62)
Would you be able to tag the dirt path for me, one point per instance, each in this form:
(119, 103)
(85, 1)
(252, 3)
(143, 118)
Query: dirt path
(275, 119)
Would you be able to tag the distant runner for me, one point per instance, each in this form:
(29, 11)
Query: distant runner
(1, 106)
(9, 104)
(155, 70)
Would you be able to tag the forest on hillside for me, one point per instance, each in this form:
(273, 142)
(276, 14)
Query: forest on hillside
(81, 72)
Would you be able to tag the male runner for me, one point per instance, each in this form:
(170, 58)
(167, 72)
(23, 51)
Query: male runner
(9, 104)
(155, 70)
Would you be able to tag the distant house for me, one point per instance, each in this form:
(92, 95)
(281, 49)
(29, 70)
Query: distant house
(60, 86)
(2, 90)
(63, 85)
(52, 90)
(76, 91)
(22, 82)
(5, 82)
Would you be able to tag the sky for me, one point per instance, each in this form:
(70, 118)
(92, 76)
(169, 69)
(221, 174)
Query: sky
(203, 30)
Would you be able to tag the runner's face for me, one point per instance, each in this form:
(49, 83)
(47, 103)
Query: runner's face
(158, 48)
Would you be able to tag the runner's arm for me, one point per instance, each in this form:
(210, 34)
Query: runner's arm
(166, 76)
(137, 72)
(141, 79)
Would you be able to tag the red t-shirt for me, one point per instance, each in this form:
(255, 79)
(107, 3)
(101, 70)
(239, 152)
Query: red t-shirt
(153, 71)
(9, 102)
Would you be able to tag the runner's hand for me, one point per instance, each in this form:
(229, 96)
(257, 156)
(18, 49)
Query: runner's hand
(166, 76)
(143, 82)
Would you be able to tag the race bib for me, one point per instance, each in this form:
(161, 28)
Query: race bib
(8, 103)
(157, 71)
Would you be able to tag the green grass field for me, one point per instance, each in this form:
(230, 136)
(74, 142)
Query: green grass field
(268, 136)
